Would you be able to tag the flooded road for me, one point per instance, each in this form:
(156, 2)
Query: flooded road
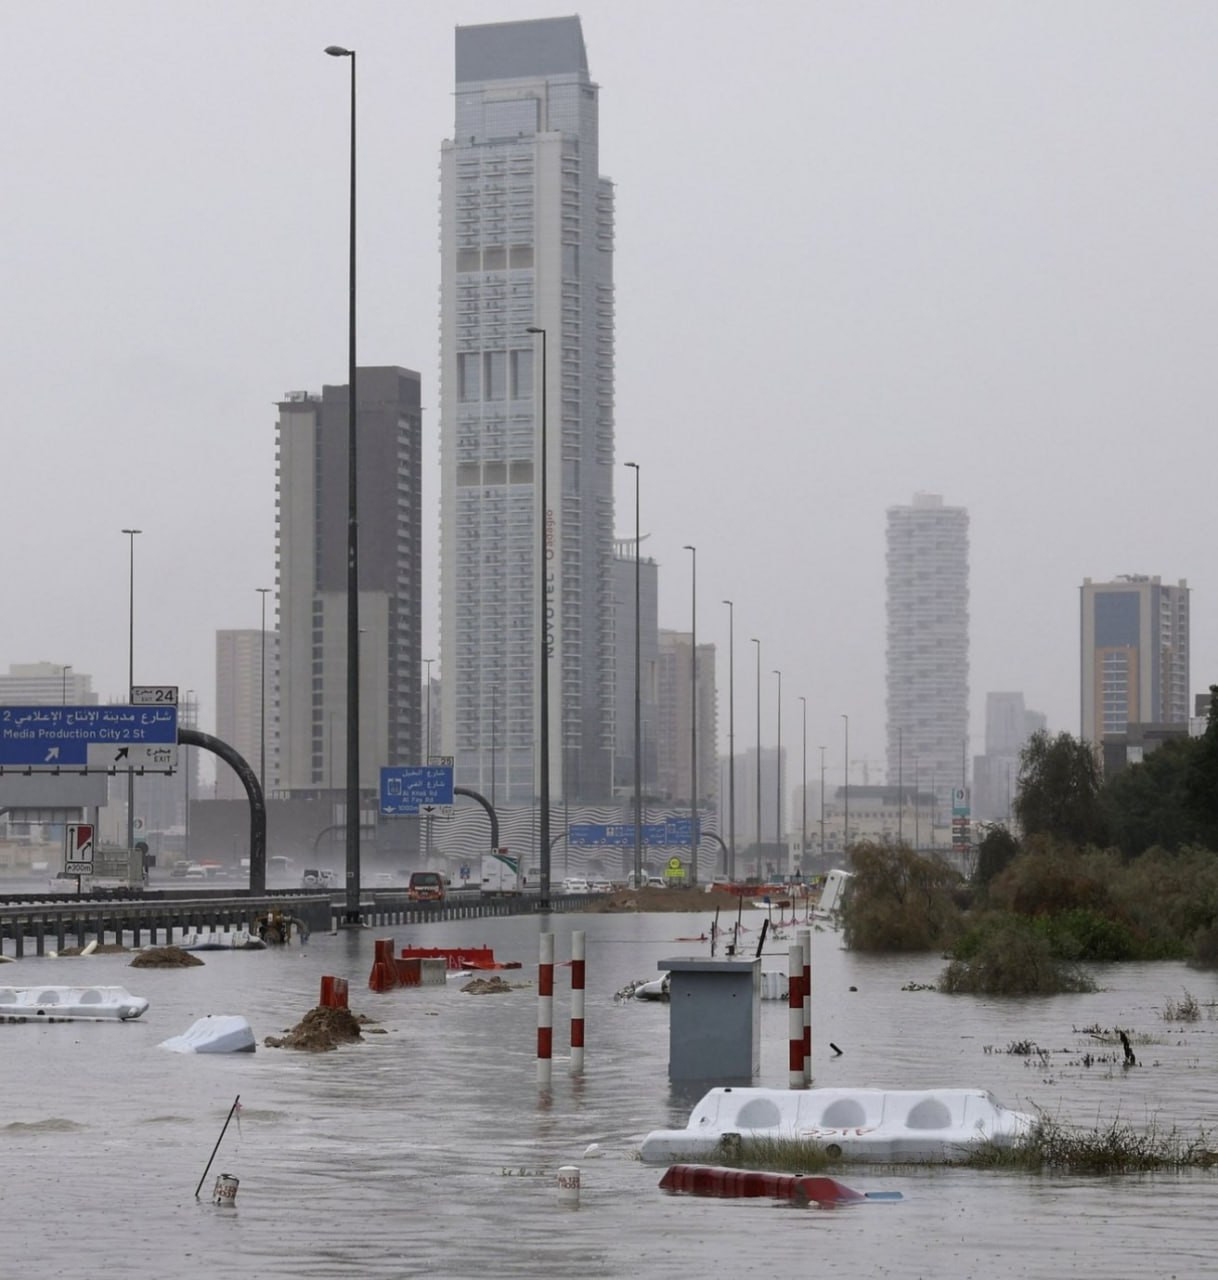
(427, 1151)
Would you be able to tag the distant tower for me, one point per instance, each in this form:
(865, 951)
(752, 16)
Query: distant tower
(526, 243)
(311, 554)
(240, 704)
(1134, 654)
(928, 643)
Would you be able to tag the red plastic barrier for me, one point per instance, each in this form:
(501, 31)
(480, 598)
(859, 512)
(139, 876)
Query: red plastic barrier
(459, 957)
(711, 1180)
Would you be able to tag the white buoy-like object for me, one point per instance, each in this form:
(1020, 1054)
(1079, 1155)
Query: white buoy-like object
(568, 1186)
(225, 1192)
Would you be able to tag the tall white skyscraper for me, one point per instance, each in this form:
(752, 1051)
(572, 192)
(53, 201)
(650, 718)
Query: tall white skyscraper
(241, 702)
(526, 244)
(928, 644)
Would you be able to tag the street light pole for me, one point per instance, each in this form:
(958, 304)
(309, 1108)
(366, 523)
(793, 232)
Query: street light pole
(353, 800)
(427, 731)
(846, 809)
(693, 716)
(803, 823)
(193, 723)
(543, 622)
(778, 775)
(63, 684)
(900, 786)
(731, 738)
(822, 800)
(262, 698)
(638, 695)
(754, 640)
(131, 535)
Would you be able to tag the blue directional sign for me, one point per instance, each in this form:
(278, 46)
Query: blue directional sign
(103, 739)
(412, 789)
(672, 831)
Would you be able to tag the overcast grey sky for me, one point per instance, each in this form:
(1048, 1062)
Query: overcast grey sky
(862, 249)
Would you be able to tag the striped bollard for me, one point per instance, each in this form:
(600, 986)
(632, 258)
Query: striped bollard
(545, 1010)
(795, 1015)
(577, 1002)
(804, 938)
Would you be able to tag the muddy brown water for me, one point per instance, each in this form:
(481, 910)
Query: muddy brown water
(428, 1151)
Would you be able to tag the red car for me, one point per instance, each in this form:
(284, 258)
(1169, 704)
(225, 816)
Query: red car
(425, 886)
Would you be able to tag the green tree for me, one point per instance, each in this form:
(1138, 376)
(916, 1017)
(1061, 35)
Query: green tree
(1148, 804)
(899, 900)
(1059, 790)
(997, 849)
(1201, 782)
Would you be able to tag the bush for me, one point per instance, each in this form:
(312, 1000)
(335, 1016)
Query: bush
(1086, 935)
(1012, 958)
(899, 900)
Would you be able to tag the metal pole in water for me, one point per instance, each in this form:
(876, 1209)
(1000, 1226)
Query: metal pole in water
(795, 1016)
(804, 938)
(545, 1010)
(578, 949)
(231, 1112)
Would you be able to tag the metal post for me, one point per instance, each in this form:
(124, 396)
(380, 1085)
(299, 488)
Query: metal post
(638, 695)
(494, 716)
(352, 915)
(262, 696)
(900, 787)
(778, 823)
(803, 823)
(194, 724)
(757, 642)
(822, 800)
(731, 737)
(846, 810)
(131, 533)
(693, 716)
(544, 664)
(63, 684)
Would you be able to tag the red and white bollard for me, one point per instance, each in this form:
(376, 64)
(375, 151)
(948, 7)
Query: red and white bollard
(578, 939)
(804, 938)
(545, 1010)
(795, 1015)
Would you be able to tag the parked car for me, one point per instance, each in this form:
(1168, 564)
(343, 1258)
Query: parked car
(576, 884)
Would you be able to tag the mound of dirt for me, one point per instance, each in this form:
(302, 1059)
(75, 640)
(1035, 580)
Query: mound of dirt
(164, 958)
(663, 900)
(486, 986)
(320, 1030)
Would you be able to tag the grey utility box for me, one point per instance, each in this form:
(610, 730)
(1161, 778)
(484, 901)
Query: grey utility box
(714, 1030)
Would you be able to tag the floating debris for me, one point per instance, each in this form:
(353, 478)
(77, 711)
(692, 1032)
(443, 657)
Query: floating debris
(487, 986)
(164, 958)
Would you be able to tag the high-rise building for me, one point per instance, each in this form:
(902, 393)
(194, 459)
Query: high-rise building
(526, 285)
(674, 737)
(41, 683)
(928, 643)
(1008, 726)
(1134, 654)
(240, 706)
(624, 565)
(311, 550)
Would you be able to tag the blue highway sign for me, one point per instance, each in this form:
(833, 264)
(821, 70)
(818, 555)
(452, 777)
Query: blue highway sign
(672, 831)
(99, 739)
(412, 789)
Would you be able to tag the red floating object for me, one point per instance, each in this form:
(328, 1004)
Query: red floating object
(711, 1180)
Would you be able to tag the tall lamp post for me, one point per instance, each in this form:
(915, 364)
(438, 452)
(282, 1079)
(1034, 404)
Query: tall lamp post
(822, 800)
(693, 716)
(731, 738)
(638, 694)
(754, 640)
(131, 535)
(846, 806)
(778, 773)
(193, 721)
(353, 801)
(803, 815)
(900, 787)
(543, 678)
(427, 729)
(63, 689)
(262, 591)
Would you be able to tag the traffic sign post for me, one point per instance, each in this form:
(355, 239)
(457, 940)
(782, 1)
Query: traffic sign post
(154, 695)
(78, 850)
(408, 790)
(121, 739)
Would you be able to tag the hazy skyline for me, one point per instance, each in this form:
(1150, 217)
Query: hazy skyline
(861, 251)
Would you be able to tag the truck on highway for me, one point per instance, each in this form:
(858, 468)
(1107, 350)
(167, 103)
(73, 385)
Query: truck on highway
(500, 874)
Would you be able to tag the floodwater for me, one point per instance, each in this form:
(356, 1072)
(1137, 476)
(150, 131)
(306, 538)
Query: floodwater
(428, 1151)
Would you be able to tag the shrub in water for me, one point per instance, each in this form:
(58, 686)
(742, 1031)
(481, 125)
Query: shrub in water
(899, 900)
(1012, 959)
